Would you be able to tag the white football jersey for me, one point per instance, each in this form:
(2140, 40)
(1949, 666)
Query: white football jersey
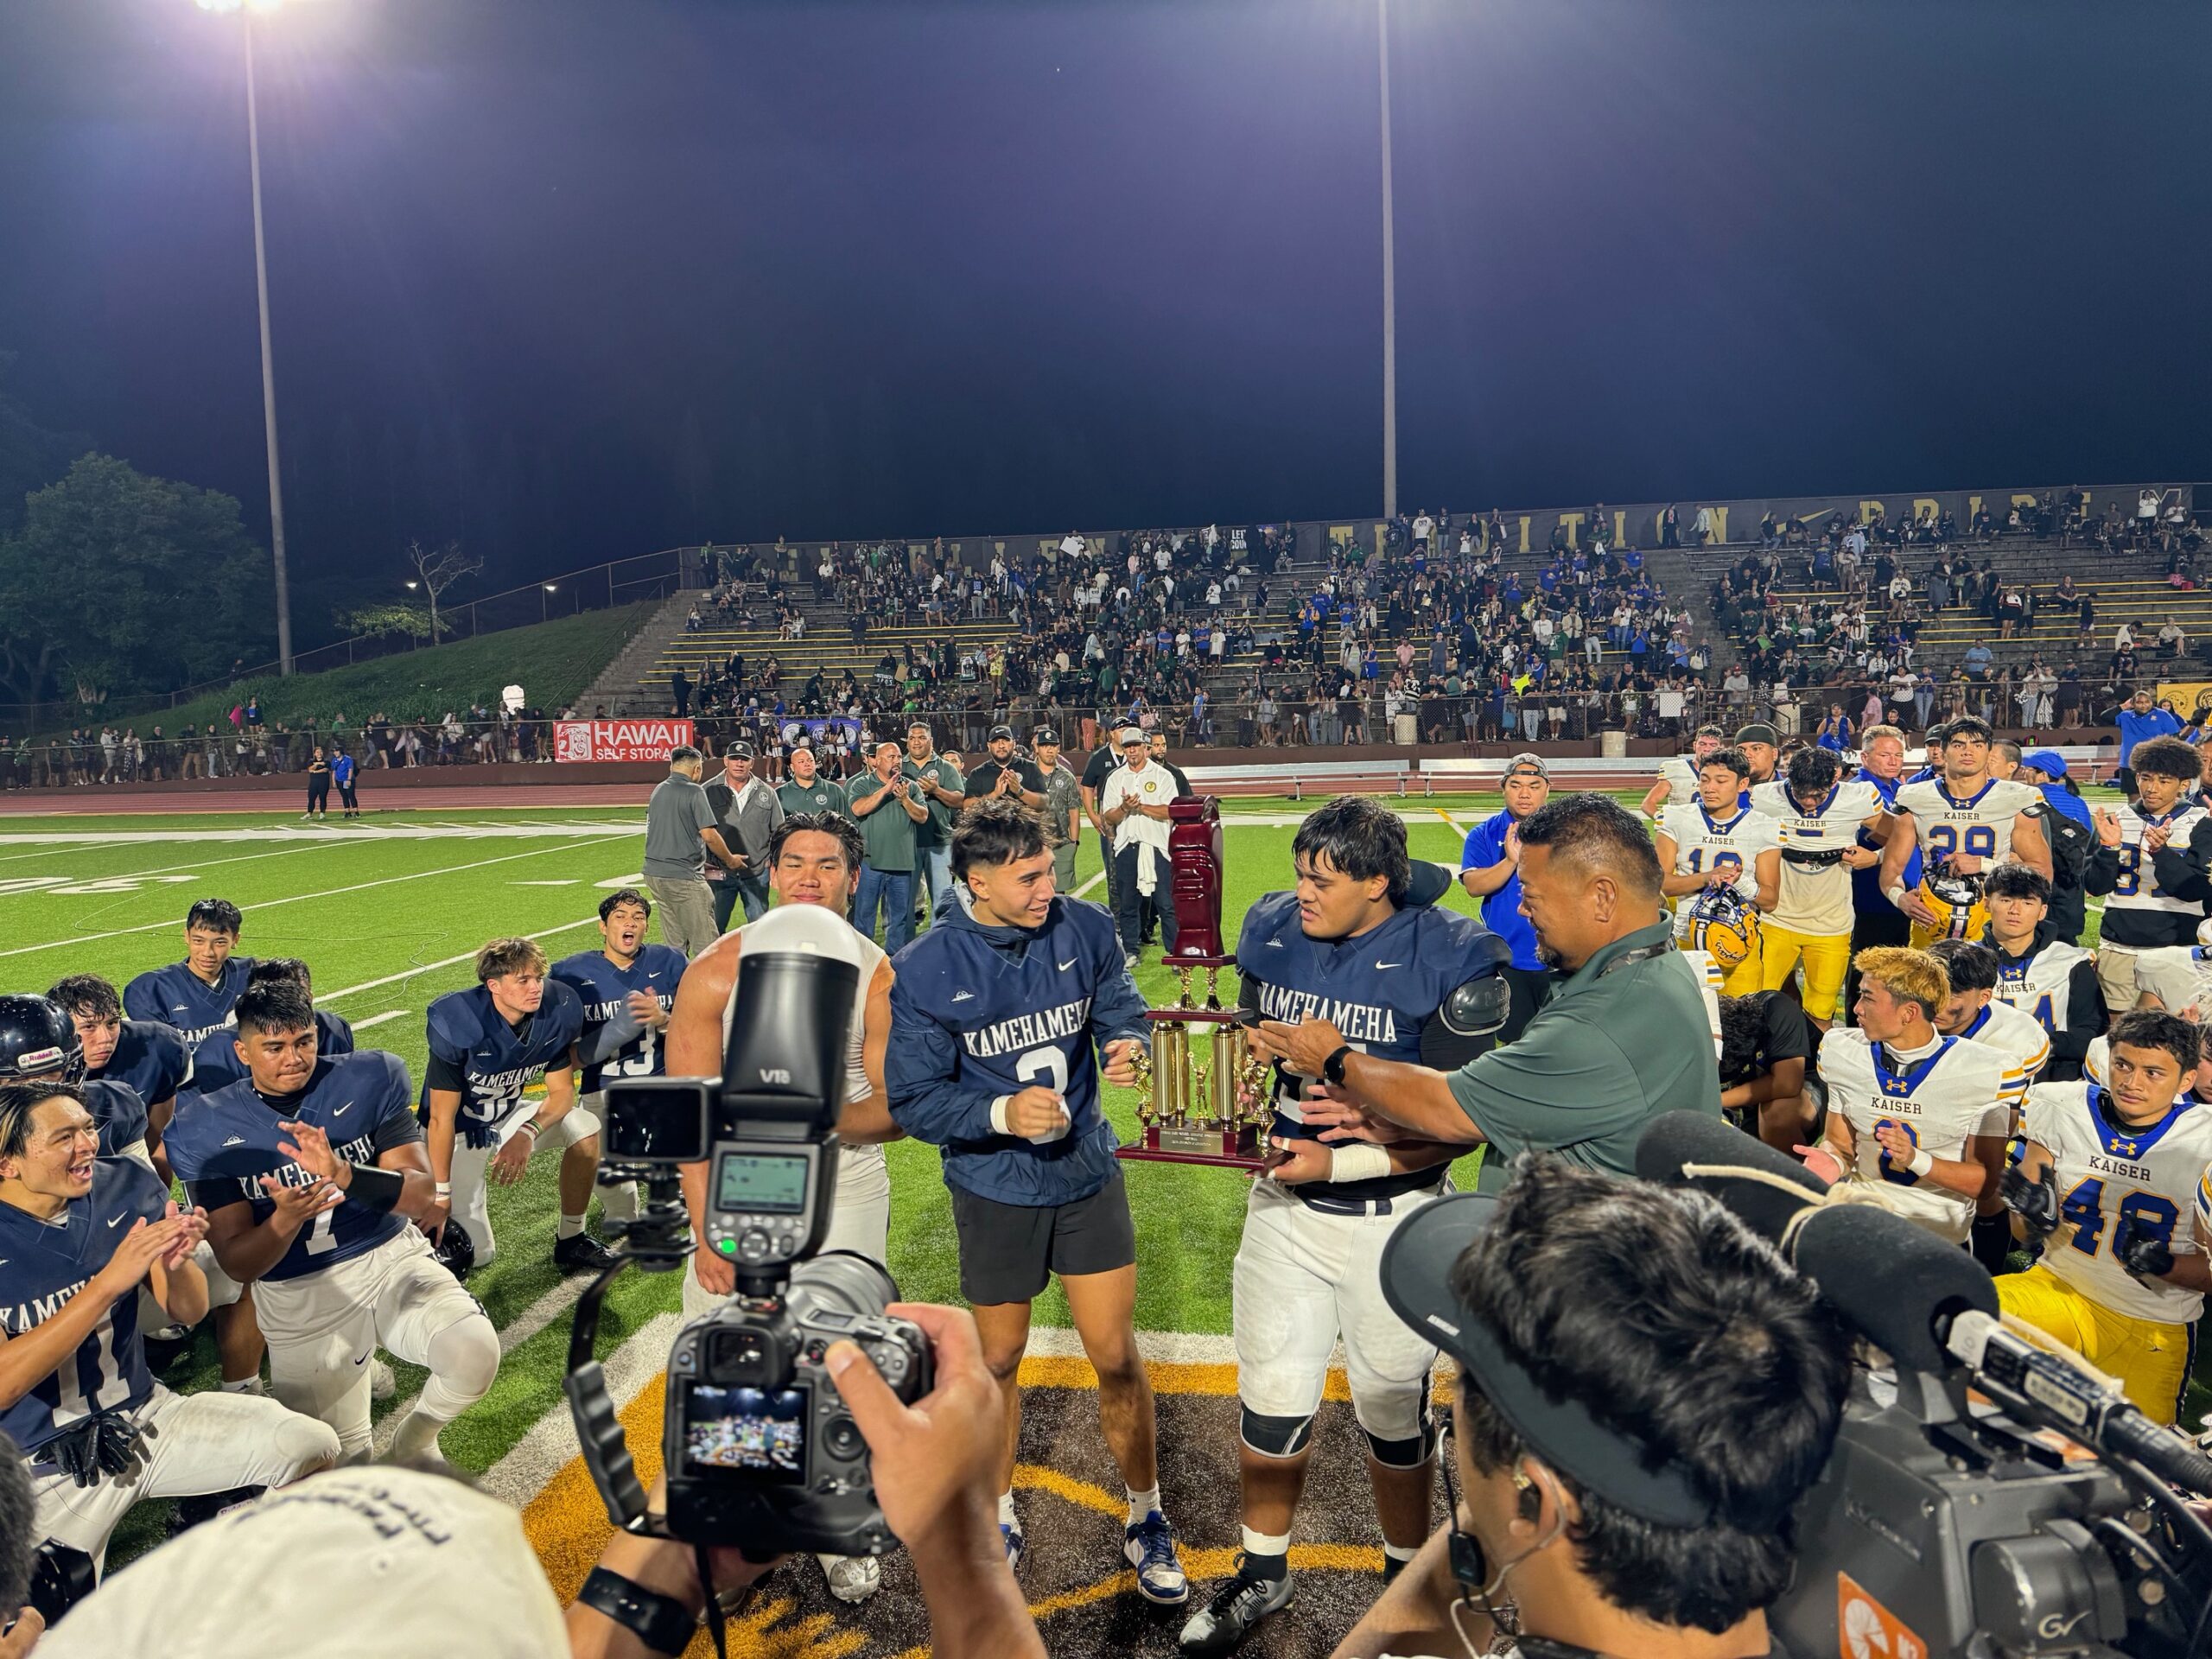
(1679, 773)
(1710, 979)
(1702, 842)
(2019, 1037)
(1964, 1088)
(2179, 975)
(1981, 824)
(2037, 984)
(2112, 1175)
(1816, 896)
(2138, 887)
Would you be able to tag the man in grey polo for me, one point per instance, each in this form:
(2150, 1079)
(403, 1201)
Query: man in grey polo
(747, 811)
(1062, 806)
(1623, 1038)
(680, 836)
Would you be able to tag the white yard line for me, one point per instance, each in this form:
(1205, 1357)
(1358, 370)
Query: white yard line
(550, 1442)
(302, 898)
(447, 962)
(378, 1019)
(1089, 885)
(527, 1324)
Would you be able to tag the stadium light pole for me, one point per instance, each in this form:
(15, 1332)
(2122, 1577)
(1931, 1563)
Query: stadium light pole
(247, 9)
(1390, 279)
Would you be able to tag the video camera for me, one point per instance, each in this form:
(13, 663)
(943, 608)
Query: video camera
(760, 1452)
(2037, 1515)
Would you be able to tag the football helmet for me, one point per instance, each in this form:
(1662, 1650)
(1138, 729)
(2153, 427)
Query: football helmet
(39, 1039)
(1725, 925)
(1955, 898)
(455, 1250)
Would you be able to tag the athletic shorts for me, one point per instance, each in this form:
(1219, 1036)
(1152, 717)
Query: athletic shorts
(1008, 1251)
(1825, 955)
(2148, 1358)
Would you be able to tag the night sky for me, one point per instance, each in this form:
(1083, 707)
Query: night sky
(568, 279)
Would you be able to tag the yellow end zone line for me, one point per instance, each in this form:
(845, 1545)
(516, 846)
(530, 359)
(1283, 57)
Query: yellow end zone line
(567, 1524)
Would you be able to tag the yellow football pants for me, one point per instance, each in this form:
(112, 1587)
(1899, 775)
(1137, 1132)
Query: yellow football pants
(2148, 1358)
(1825, 955)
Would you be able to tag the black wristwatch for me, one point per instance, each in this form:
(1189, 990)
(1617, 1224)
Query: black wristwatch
(662, 1623)
(1332, 1069)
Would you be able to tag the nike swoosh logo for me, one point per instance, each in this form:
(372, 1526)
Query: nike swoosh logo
(120, 1219)
(1069, 964)
(1385, 965)
(342, 1110)
(363, 1360)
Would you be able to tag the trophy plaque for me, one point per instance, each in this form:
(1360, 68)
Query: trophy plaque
(1206, 1096)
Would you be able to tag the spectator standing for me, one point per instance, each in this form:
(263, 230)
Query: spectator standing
(1063, 807)
(342, 772)
(680, 836)
(806, 790)
(1133, 809)
(1489, 869)
(1096, 771)
(1005, 773)
(938, 782)
(318, 787)
(2138, 722)
(679, 687)
(888, 810)
(747, 811)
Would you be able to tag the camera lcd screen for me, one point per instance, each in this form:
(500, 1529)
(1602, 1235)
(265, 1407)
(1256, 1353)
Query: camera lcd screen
(770, 1183)
(755, 1433)
(655, 1124)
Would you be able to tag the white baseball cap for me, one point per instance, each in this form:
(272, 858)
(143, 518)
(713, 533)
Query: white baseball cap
(355, 1563)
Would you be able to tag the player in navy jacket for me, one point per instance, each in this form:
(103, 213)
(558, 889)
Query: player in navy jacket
(628, 987)
(79, 1235)
(148, 1057)
(486, 1047)
(196, 995)
(310, 1170)
(995, 1014)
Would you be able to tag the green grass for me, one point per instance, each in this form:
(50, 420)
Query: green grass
(553, 663)
(374, 904)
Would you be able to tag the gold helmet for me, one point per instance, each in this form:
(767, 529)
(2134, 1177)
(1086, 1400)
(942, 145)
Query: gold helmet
(1724, 925)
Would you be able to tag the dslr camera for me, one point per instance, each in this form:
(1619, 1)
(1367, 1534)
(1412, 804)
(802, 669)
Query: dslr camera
(760, 1452)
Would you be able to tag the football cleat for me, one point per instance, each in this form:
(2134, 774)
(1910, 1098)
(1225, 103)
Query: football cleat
(1014, 1546)
(1150, 1547)
(1222, 1624)
(582, 1254)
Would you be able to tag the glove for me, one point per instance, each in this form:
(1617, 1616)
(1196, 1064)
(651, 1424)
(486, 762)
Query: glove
(2035, 1202)
(2144, 1255)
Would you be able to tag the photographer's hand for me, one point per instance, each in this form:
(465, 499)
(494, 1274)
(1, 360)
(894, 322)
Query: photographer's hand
(935, 1463)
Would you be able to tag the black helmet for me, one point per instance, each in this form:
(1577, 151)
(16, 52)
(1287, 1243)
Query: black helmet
(38, 1039)
(455, 1250)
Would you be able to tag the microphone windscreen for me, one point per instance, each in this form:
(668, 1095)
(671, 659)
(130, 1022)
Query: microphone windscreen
(1892, 1280)
(1673, 1139)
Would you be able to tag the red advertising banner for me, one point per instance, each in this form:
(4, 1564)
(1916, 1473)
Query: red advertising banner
(618, 739)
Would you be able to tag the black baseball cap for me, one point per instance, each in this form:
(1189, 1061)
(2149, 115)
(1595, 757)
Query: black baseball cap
(998, 732)
(1416, 1271)
(1045, 734)
(738, 752)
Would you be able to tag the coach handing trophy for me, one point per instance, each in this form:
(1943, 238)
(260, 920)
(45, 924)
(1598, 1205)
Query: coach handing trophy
(1623, 1038)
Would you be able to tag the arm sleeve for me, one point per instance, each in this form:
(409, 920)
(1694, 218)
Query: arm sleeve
(1117, 1008)
(2085, 1018)
(919, 1076)
(2186, 872)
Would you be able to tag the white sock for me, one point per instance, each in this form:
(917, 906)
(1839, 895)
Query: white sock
(416, 1436)
(247, 1385)
(568, 1227)
(1006, 1510)
(1260, 1543)
(1142, 1504)
(1396, 1552)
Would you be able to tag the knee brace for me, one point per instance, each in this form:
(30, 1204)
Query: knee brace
(464, 1362)
(1274, 1437)
(1410, 1453)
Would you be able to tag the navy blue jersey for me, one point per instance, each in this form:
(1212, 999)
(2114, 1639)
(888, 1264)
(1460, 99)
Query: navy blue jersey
(119, 1112)
(1380, 988)
(979, 1012)
(176, 997)
(487, 1062)
(150, 1059)
(216, 1064)
(221, 1144)
(613, 1044)
(43, 1266)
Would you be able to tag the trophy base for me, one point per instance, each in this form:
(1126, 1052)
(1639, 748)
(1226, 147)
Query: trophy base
(1237, 1148)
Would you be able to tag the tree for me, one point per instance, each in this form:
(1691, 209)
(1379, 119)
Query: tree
(125, 584)
(410, 619)
(435, 571)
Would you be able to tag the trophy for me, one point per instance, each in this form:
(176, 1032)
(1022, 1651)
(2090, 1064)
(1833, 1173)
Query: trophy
(1206, 1096)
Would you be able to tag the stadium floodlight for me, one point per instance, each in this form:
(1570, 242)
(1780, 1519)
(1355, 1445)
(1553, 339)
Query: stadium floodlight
(247, 9)
(544, 603)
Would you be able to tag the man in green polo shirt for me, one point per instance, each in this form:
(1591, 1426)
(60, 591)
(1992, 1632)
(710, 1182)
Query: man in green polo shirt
(940, 785)
(806, 790)
(889, 810)
(1623, 1038)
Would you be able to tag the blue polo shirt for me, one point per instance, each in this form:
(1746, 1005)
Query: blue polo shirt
(2139, 729)
(1484, 847)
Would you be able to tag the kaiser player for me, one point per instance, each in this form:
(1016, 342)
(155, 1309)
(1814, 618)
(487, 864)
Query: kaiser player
(1819, 818)
(1719, 841)
(196, 995)
(1678, 774)
(79, 1235)
(2039, 973)
(310, 1170)
(1920, 1118)
(1962, 824)
(814, 859)
(996, 1016)
(1346, 946)
(486, 1047)
(2109, 1173)
(2153, 865)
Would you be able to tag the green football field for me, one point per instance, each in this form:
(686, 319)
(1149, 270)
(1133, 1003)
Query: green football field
(389, 912)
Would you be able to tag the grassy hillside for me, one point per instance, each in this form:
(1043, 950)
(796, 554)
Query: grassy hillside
(552, 662)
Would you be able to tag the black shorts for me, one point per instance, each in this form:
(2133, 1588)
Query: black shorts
(1008, 1251)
